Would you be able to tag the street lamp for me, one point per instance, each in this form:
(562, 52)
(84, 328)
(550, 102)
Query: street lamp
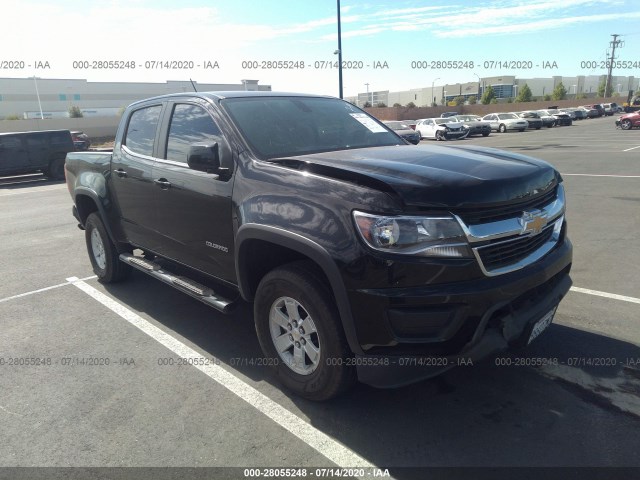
(339, 52)
(445, 97)
(515, 90)
(368, 94)
(478, 77)
(575, 90)
(38, 95)
(432, 95)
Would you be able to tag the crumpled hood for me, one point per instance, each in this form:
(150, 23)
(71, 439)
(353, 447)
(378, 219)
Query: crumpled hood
(439, 176)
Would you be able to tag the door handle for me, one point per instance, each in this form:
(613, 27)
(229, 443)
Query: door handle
(163, 183)
(121, 173)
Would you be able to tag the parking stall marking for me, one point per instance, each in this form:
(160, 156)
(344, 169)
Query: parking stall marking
(613, 296)
(34, 189)
(597, 175)
(632, 148)
(26, 294)
(319, 441)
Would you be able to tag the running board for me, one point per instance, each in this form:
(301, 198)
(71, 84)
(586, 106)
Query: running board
(186, 285)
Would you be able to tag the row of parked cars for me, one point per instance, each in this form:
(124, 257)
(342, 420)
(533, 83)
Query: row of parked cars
(452, 125)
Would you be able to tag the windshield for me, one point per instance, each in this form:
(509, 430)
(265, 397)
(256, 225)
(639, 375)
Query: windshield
(504, 116)
(440, 121)
(287, 126)
(468, 118)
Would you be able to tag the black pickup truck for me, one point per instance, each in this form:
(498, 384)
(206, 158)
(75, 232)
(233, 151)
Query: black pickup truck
(364, 257)
(42, 151)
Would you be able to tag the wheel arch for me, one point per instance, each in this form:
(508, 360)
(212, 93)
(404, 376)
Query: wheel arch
(261, 248)
(87, 202)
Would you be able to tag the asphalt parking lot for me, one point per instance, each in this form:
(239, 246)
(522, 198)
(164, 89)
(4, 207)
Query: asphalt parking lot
(94, 376)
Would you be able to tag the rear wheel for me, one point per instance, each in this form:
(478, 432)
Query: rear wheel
(299, 330)
(625, 125)
(103, 254)
(502, 128)
(56, 169)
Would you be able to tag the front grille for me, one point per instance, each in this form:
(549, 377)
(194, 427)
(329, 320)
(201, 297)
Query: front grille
(504, 253)
(475, 215)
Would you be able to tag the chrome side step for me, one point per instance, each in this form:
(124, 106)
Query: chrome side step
(190, 287)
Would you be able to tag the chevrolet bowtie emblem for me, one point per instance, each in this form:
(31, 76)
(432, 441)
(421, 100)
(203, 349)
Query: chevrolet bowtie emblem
(533, 222)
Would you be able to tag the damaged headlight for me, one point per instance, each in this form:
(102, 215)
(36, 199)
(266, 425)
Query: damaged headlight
(437, 236)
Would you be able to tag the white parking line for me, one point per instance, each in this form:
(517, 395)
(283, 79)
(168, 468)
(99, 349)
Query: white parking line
(34, 189)
(41, 290)
(594, 175)
(632, 148)
(605, 294)
(322, 443)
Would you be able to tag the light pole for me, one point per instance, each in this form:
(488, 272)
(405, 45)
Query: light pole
(339, 52)
(575, 90)
(478, 77)
(445, 97)
(368, 94)
(38, 95)
(432, 95)
(515, 91)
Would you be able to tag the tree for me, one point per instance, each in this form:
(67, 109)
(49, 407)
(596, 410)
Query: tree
(601, 87)
(459, 100)
(493, 101)
(12, 116)
(524, 95)
(75, 112)
(366, 105)
(473, 100)
(397, 105)
(381, 105)
(411, 105)
(580, 96)
(510, 100)
(488, 95)
(559, 93)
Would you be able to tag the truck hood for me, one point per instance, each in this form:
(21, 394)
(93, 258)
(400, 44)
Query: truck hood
(435, 176)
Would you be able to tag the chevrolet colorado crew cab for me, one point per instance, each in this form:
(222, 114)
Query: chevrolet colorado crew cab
(365, 258)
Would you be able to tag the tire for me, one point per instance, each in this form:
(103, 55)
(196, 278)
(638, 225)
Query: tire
(440, 135)
(538, 128)
(625, 125)
(521, 129)
(502, 128)
(299, 285)
(56, 169)
(485, 134)
(103, 254)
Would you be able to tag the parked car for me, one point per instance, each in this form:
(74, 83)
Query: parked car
(548, 120)
(442, 128)
(629, 121)
(28, 152)
(533, 119)
(596, 106)
(501, 122)
(80, 140)
(448, 114)
(610, 108)
(590, 111)
(562, 119)
(475, 124)
(579, 113)
(351, 248)
(405, 131)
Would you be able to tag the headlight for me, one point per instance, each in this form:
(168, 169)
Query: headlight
(425, 236)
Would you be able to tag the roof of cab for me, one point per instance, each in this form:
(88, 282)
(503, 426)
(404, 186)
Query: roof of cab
(230, 94)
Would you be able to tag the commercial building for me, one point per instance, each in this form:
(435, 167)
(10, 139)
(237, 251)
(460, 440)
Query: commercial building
(28, 97)
(505, 86)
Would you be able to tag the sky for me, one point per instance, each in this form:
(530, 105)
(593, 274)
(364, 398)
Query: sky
(389, 44)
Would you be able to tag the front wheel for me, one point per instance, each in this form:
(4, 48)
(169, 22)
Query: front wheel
(625, 125)
(299, 330)
(440, 135)
(502, 128)
(103, 254)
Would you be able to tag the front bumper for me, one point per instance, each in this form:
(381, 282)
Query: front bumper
(428, 330)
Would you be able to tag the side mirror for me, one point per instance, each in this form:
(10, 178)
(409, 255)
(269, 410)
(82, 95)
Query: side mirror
(204, 157)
